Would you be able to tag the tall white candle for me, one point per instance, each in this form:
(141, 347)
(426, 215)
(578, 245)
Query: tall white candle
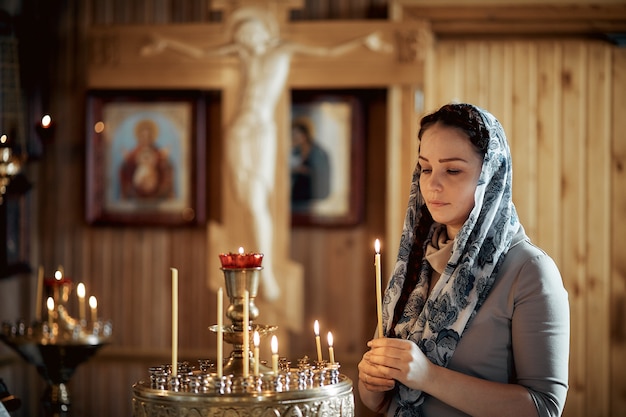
(220, 332)
(379, 297)
(174, 321)
(93, 304)
(246, 334)
(274, 346)
(318, 343)
(39, 297)
(331, 350)
(256, 339)
(80, 291)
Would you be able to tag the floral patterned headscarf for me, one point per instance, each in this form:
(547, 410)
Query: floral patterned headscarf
(436, 322)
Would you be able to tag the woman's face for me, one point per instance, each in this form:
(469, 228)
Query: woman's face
(450, 168)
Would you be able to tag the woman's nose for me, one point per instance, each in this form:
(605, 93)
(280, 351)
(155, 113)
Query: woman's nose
(433, 182)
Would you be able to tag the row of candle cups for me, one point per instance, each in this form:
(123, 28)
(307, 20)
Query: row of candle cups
(203, 380)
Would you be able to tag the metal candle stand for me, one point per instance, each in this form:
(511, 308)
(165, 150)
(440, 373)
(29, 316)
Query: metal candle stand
(56, 352)
(307, 390)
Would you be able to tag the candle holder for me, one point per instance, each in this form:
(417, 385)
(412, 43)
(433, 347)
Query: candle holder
(57, 346)
(237, 281)
(309, 390)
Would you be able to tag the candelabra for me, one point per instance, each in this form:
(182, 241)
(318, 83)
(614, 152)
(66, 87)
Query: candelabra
(245, 387)
(56, 347)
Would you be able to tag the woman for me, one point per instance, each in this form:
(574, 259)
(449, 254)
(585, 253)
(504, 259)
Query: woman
(475, 316)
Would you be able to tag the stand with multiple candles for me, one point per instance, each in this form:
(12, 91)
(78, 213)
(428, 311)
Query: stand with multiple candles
(243, 384)
(57, 345)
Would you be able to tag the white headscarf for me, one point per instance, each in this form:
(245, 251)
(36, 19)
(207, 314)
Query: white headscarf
(436, 324)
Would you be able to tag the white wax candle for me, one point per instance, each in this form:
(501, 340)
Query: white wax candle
(93, 304)
(174, 321)
(256, 339)
(379, 297)
(246, 334)
(220, 332)
(80, 291)
(274, 345)
(318, 343)
(50, 305)
(331, 350)
(39, 298)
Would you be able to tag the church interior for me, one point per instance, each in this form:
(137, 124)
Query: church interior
(81, 198)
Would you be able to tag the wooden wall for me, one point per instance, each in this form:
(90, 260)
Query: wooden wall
(561, 103)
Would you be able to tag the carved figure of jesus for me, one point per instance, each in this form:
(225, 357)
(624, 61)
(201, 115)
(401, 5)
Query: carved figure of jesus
(251, 138)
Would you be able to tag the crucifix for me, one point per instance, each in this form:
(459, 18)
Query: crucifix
(254, 67)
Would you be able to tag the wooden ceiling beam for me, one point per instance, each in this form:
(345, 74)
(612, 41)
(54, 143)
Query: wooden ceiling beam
(519, 20)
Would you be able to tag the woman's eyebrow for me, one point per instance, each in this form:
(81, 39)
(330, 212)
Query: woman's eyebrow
(452, 159)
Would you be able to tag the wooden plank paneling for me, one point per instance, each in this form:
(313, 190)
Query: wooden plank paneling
(549, 157)
(573, 220)
(597, 94)
(617, 299)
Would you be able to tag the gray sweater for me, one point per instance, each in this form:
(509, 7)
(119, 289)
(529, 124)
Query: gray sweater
(521, 333)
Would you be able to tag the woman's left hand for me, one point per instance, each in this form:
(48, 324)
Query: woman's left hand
(401, 360)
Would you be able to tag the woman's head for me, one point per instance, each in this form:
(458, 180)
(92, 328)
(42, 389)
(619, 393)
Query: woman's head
(463, 116)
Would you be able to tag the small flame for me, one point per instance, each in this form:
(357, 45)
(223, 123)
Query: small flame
(46, 120)
(316, 328)
(330, 339)
(377, 246)
(80, 290)
(274, 344)
(241, 250)
(256, 339)
(50, 303)
(93, 303)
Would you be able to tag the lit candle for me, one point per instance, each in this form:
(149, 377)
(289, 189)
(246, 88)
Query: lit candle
(318, 344)
(93, 304)
(174, 321)
(246, 334)
(50, 304)
(39, 298)
(379, 297)
(274, 345)
(220, 332)
(256, 340)
(331, 350)
(58, 276)
(80, 291)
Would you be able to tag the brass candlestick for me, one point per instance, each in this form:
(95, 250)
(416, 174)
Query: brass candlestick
(237, 281)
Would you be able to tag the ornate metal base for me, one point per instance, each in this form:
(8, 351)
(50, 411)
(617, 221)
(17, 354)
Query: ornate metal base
(336, 400)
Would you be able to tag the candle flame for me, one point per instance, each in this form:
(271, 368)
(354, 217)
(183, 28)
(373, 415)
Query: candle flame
(50, 303)
(256, 339)
(274, 344)
(93, 303)
(3, 139)
(377, 246)
(330, 339)
(58, 275)
(80, 290)
(241, 250)
(316, 328)
(46, 120)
